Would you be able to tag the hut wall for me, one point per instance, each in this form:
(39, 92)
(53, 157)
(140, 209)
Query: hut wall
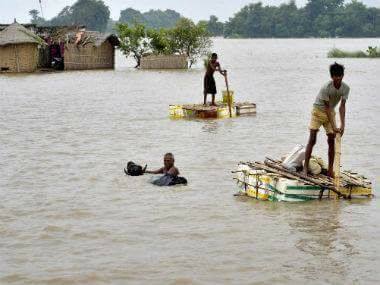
(164, 62)
(89, 56)
(19, 58)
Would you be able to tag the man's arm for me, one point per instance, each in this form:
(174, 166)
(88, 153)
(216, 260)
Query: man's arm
(331, 117)
(221, 71)
(158, 171)
(217, 67)
(342, 113)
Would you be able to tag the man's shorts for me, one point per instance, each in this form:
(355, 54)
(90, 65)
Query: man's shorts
(319, 118)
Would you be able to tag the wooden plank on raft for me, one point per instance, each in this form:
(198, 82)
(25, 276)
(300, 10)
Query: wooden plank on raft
(321, 179)
(347, 179)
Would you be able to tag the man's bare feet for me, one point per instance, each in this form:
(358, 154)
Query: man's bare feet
(304, 171)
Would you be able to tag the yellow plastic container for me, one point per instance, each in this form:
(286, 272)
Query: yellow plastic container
(225, 97)
(176, 111)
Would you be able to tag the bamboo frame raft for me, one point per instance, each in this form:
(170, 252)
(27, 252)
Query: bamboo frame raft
(220, 111)
(269, 180)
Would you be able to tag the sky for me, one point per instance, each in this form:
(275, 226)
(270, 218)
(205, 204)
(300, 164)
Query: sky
(194, 9)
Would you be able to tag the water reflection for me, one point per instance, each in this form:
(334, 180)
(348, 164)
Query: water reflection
(320, 234)
(210, 126)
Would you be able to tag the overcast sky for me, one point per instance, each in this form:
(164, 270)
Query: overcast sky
(195, 9)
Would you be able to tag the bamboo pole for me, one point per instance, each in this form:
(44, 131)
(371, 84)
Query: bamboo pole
(338, 142)
(228, 95)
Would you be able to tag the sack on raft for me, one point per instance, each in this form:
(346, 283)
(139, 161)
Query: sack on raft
(168, 180)
(134, 169)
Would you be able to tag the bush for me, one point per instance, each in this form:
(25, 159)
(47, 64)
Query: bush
(371, 52)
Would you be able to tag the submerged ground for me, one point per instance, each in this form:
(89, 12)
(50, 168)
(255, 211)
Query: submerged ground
(69, 215)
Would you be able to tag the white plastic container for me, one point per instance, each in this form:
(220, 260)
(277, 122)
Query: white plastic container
(294, 158)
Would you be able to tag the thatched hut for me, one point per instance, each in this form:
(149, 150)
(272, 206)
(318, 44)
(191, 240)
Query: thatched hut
(90, 50)
(18, 49)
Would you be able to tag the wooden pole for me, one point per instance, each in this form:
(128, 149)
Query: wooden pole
(338, 152)
(228, 96)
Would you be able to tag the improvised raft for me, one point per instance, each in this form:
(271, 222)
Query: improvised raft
(270, 180)
(220, 111)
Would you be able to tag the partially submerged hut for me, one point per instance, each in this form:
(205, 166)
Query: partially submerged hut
(90, 50)
(174, 61)
(18, 49)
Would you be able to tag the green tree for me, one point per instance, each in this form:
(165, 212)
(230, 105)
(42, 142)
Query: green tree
(190, 39)
(319, 18)
(155, 19)
(214, 27)
(131, 16)
(133, 41)
(36, 19)
(93, 14)
(160, 41)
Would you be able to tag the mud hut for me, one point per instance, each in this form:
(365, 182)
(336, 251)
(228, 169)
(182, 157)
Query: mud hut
(18, 49)
(90, 50)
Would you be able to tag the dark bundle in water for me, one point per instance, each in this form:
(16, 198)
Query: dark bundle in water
(134, 169)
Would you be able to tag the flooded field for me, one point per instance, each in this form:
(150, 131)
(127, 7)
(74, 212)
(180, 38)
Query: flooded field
(68, 214)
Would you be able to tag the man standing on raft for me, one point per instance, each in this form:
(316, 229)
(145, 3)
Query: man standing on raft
(323, 114)
(209, 80)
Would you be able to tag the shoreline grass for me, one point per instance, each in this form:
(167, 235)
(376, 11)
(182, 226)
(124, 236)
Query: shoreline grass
(371, 52)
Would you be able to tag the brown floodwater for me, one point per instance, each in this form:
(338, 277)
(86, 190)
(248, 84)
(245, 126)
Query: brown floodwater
(68, 214)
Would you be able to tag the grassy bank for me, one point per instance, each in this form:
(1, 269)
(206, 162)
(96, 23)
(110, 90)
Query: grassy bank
(371, 52)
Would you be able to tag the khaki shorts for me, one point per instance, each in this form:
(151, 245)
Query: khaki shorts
(319, 118)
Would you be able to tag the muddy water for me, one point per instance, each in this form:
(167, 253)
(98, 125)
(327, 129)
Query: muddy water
(68, 215)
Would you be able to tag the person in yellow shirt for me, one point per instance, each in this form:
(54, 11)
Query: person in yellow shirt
(323, 114)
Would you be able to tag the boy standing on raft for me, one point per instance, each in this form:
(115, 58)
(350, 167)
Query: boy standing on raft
(209, 80)
(323, 114)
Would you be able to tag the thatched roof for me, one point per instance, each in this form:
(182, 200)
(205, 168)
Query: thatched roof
(94, 37)
(18, 34)
(101, 38)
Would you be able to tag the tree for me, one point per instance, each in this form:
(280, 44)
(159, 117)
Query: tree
(133, 40)
(319, 18)
(36, 19)
(190, 39)
(93, 14)
(160, 41)
(155, 19)
(131, 16)
(214, 27)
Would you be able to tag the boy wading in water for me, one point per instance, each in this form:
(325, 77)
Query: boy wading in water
(323, 114)
(209, 80)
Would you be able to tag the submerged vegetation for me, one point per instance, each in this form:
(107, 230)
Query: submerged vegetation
(185, 38)
(371, 52)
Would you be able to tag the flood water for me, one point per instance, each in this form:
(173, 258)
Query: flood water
(68, 214)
